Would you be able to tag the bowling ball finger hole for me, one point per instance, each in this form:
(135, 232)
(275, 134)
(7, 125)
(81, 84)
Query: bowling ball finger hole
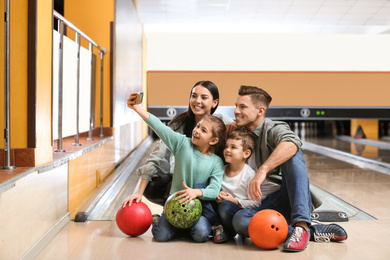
(272, 226)
(185, 211)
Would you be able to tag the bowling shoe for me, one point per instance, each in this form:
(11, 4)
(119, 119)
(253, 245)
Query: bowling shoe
(220, 235)
(298, 240)
(327, 233)
(155, 218)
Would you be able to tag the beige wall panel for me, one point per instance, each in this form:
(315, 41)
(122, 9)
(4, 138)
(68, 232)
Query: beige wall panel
(171, 88)
(43, 152)
(171, 48)
(128, 137)
(107, 164)
(86, 171)
(31, 209)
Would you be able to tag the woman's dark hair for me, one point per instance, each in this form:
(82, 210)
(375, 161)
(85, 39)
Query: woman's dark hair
(188, 118)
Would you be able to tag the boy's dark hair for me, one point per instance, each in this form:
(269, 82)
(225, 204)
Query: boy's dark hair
(258, 96)
(218, 131)
(246, 139)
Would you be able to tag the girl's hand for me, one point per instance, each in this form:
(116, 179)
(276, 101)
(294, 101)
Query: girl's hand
(188, 194)
(135, 197)
(131, 100)
(136, 107)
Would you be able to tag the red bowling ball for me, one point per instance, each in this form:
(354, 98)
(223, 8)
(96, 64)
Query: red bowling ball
(268, 229)
(134, 220)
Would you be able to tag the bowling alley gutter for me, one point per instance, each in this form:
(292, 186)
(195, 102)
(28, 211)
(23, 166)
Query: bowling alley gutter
(349, 158)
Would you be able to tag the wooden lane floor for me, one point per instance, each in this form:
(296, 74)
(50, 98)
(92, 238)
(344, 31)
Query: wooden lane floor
(367, 239)
(365, 189)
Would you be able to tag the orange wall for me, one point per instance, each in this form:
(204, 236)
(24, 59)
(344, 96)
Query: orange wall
(18, 73)
(18, 77)
(93, 17)
(286, 88)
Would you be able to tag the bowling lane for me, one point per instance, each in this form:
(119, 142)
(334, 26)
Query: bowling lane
(380, 153)
(365, 189)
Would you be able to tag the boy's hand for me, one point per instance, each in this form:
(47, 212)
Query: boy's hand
(226, 196)
(221, 196)
(188, 194)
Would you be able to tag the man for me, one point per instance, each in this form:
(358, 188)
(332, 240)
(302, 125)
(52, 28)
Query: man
(280, 169)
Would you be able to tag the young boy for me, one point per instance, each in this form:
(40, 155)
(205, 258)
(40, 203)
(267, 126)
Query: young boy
(234, 193)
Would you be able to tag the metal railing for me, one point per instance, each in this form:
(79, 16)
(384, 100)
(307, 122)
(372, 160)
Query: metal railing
(7, 137)
(61, 28)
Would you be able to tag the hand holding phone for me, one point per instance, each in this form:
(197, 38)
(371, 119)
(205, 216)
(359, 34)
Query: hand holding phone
(139, 97)
(134, 99)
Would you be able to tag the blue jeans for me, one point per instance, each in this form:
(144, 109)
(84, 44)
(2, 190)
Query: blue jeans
(163, 231)
(221, 213)
(209, 208)
(293, 200)
(226, 211)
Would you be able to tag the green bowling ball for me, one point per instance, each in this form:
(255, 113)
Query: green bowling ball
(182, 215)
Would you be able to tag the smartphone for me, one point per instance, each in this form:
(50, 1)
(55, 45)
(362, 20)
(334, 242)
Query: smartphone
(139, 97)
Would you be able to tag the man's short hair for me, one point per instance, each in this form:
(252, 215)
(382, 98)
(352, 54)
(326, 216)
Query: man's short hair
(258, 96)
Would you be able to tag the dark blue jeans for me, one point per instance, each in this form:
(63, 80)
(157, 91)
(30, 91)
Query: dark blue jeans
(163, 231)
(226, 211)
(221, 213)
(293, 200)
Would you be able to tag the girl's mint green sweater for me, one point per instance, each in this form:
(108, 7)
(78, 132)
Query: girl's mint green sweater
(191, 166)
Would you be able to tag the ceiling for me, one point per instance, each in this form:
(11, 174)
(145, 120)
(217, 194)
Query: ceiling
(268, 16)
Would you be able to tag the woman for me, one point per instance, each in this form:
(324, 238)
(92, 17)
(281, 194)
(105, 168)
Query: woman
(156, 174)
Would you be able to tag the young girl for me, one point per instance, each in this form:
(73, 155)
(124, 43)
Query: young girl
(195, 163)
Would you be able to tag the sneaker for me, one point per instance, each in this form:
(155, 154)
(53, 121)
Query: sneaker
(219, 235)
(298, 240)
(155, 218)
(327, 233)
